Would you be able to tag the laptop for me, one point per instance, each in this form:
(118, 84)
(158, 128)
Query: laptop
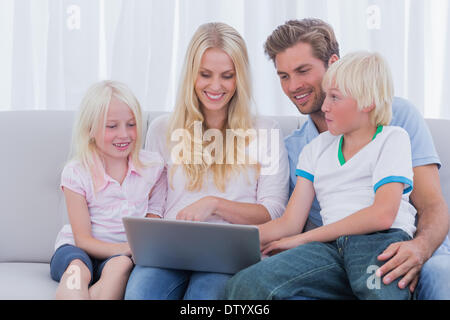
(189, 245)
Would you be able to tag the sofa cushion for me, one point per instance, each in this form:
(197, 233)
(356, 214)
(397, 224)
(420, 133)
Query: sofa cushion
(26, 281)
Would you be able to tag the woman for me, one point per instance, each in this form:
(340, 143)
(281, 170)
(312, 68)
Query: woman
(210, 141)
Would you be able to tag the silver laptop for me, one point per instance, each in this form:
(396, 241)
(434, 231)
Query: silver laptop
(196, 246)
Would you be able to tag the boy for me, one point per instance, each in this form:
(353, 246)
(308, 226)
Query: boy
(361, 172)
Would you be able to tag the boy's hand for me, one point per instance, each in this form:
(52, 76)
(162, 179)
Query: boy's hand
(278, 246)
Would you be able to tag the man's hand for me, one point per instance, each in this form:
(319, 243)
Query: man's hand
(405, 260)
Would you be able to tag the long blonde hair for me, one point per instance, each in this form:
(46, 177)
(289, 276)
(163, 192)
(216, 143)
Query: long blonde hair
(187, 107)
(91, 117)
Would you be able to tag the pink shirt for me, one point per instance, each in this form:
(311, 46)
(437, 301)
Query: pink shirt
(269, 189)
(112, 201)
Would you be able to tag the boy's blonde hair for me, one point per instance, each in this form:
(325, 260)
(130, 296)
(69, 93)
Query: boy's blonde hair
(365, 77)
(92, 117)
(187, 106)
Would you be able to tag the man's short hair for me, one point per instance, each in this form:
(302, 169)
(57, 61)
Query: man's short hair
(317, 33)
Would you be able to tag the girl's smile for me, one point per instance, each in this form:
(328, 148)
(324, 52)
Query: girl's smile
(122, 146)
(117, 139)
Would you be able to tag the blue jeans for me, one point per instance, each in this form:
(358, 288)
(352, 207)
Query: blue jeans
(148, 283)
(342, 269)
(434, 280)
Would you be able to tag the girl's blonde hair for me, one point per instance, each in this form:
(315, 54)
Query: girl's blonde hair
(365, 77)
(92, 117)
(187, 106)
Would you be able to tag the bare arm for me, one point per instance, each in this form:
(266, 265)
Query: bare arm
(379, 216)
(81, 227)
(432, 226)
(406, 258)
(232, 211)
(240, 212)
(294, 218)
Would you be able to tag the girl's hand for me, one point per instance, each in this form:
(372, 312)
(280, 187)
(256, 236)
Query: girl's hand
(123, 248)
(199, 210)
(283, 244)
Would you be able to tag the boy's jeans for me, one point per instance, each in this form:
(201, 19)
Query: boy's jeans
(342, 269)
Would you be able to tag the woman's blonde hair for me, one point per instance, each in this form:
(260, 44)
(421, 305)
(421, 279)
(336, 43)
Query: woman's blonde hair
(366, 77)
(187, 107)
(91, 117)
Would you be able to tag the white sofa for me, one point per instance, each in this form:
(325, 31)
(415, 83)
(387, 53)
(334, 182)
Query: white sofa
(32, 210)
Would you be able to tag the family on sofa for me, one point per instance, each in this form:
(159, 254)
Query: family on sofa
(348, 187)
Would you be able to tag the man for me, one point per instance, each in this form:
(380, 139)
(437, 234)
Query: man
(301, 51)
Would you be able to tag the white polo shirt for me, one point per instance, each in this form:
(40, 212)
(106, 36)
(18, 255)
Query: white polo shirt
(345, 187)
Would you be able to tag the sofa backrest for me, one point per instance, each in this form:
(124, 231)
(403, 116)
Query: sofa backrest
(35, 148)
(440, 130)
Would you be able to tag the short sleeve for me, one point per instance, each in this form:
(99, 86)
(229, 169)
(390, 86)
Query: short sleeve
(155, 173)
(158, 195)
(394, 161)
(406, 115)
(305, 164)
(74, 179)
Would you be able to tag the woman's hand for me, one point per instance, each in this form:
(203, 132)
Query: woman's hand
(283, 244)
(200, 210)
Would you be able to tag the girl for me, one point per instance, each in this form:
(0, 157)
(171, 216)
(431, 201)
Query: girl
(109, 177)
(362, 175)
(217, 184)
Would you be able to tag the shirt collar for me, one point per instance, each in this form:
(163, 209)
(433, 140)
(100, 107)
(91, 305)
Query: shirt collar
(101, 179)
(311, 129)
